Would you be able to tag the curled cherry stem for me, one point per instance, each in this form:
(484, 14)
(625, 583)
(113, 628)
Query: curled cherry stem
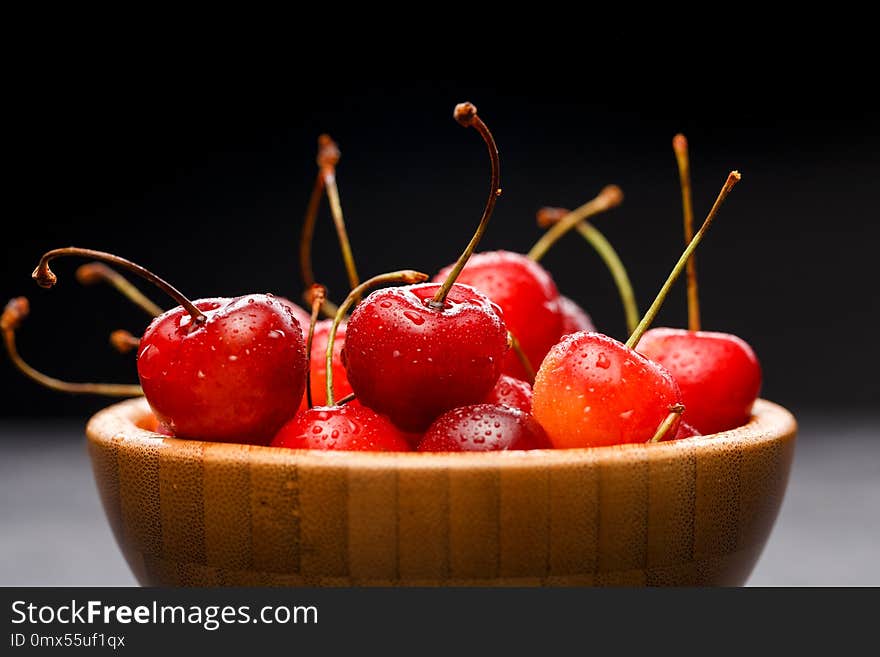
(732, 178)
(405, 276)
(521, 355)
(466, 115)
(97, 272)
(317, 294)
(45, 277)
(675, 412)
(680, 147)
(13, 315)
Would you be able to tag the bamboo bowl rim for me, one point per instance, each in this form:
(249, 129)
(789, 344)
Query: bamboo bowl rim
(121, 425)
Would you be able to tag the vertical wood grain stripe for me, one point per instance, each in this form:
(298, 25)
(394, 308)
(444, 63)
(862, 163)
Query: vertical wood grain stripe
(623, 511)
(574, 513)
(473, 523)
(525, 522)
(106, 470)
(323, 499)
(372, 524)
(275, 517)
(227, 492)
(764, 477)
(423, 510)
(182, 501)
(139, 498)
(671, 494)
(716, 518)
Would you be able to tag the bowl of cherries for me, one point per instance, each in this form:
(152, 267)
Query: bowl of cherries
(470, 428)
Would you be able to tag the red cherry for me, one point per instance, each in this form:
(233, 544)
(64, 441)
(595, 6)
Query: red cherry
(718, 373)
(411, 361)
(484, 428)
(685, 430)
(235, 377)
(528, 297)
(511, 392)
(574, 318)
(593, 390)
(299, 314)
(318, 365)
(348, 427)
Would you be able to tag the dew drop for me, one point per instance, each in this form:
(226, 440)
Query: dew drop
(233, 358)
(395, 354)
(317, 429)
(200, 374)
(603, 361)
(415, 318)
(385, 304)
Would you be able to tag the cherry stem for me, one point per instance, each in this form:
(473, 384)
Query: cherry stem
(732, 178)
(551, 216)
(317, 294)
(350, 397)
(97, 272)
(13, 315)
(328, 158)
(680, 146)
(123, 341)
(308, 233)
(675, 412)
(406, 276)
(45, 277)
(521, 355)
(466, 115)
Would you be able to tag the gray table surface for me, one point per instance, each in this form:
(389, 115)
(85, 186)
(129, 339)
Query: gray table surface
(53, 531)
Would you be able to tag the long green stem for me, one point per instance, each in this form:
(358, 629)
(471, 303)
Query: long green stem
(466, 115)
(680, 146)
(405, 276)
(13, 315)
(553, 216)
(732, 178)
(317, 294)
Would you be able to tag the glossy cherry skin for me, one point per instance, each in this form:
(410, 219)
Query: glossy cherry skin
(527, 296)
(484, 428)
(685, 430)
(302, 316)
(718, 373)
(574, 318)
(236, 378)
(411, 362)
(348, 428)
(592, 390)
(318, 365)
(511, 392)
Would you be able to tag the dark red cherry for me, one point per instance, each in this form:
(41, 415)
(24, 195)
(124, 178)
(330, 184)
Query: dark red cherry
(527, 295)
(685, 430)
(511, 392)
(592, 390)
(574, 318)
(299, 314)
(236, 377)
(318, 364)
(351, 428)
(411, 361)
(484, 428)
(718, 373)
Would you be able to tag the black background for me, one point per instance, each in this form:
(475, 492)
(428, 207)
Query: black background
(205, 180)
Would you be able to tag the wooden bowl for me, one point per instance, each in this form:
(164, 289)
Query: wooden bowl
(689, 512)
